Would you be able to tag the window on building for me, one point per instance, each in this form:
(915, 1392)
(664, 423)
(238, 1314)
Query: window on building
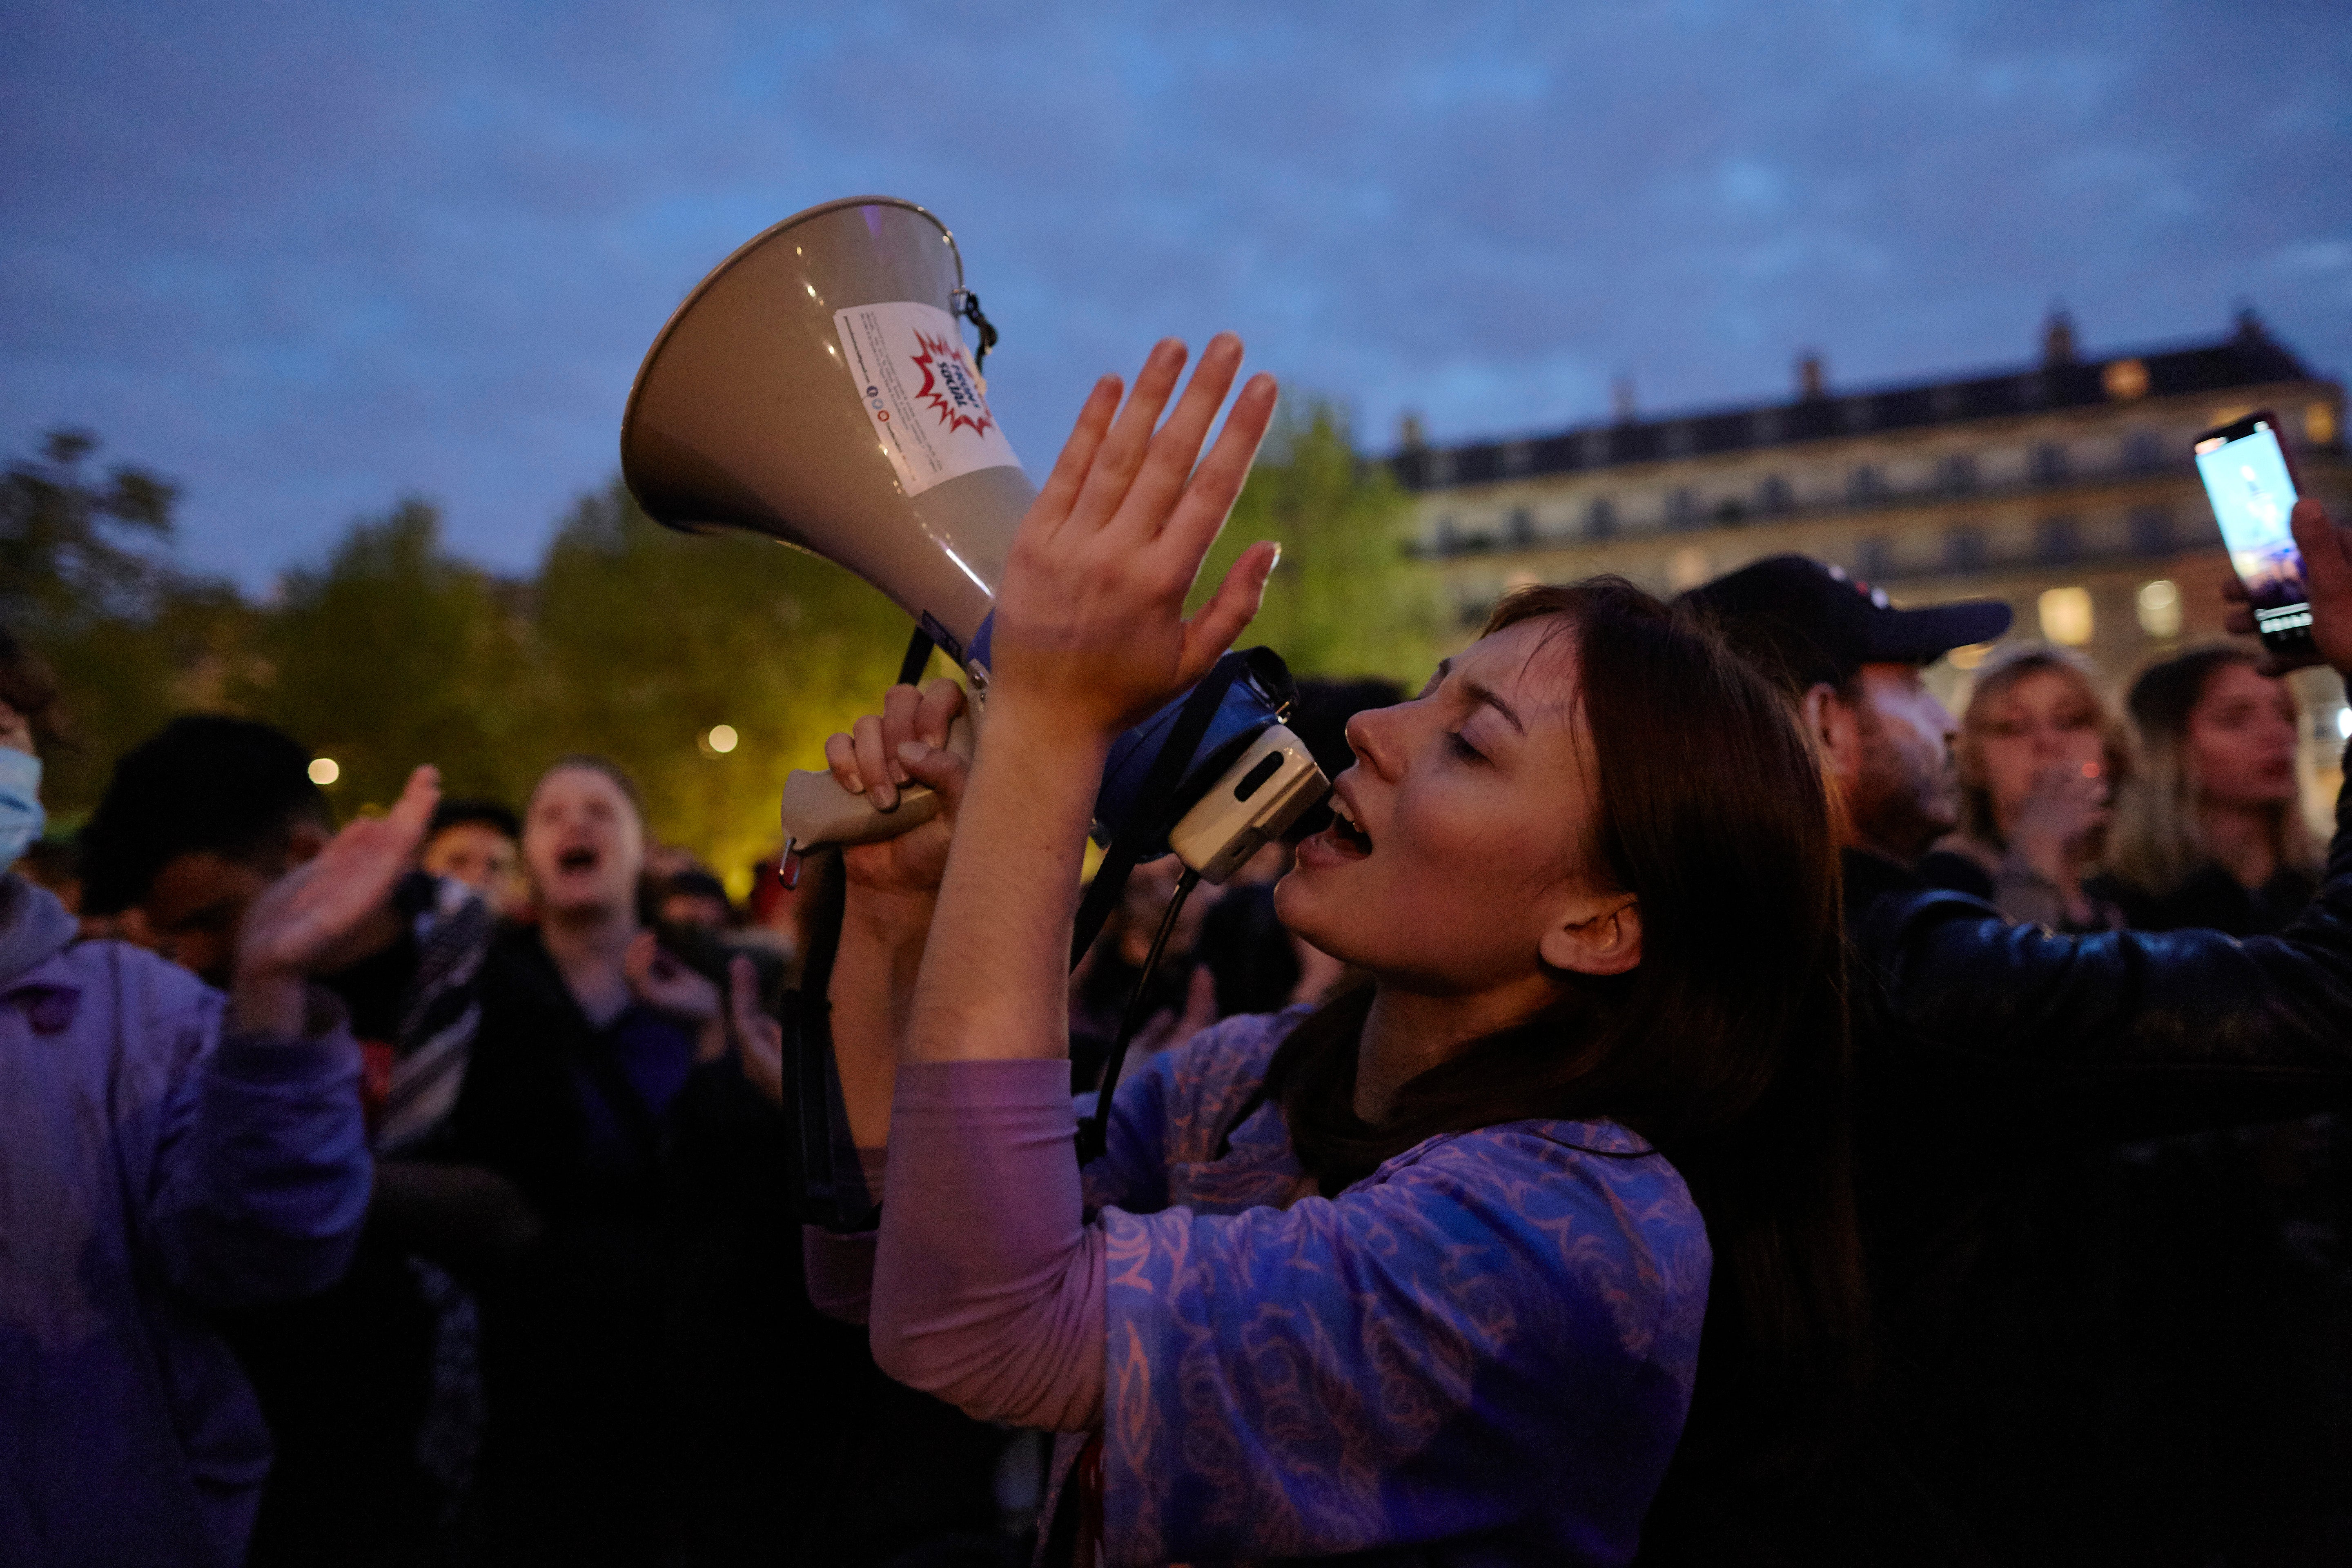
(1773, 498)
(2159, 609)
(2143, 452)
(1440, 468)
(1865, 483)
(1519, 456)
(1682, 507)
(2151, 531)
(1521, 526)
(2049, 464)
(1957, 475)
(1600, 518)
(2067, 615)
(1449, 535)
(2320, 425)
(1875, 562)
(2057, 541)
(1965, 548)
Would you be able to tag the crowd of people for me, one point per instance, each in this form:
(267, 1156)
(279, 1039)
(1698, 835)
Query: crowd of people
(1689, 1100)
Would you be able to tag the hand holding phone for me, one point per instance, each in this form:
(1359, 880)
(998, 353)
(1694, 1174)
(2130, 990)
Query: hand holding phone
(2250, 479)
(2328, 555)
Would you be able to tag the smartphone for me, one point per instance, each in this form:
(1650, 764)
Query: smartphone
(2250, 479)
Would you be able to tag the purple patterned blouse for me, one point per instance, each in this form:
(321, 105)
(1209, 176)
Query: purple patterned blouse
(1481, 1354)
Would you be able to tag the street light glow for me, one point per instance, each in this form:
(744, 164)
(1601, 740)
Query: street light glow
(325, 770)
(722, 738)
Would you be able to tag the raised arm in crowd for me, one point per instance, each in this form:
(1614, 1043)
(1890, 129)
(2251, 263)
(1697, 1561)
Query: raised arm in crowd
(1431, 1264)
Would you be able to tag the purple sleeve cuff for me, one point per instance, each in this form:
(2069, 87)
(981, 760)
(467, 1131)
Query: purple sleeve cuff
(840, 1272)
(988, 1287)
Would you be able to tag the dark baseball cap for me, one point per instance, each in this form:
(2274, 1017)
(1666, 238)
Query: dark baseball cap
(1807, 622)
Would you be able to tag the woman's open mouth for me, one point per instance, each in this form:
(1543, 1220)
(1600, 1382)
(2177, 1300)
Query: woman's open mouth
(579, 858)
(1345, 837)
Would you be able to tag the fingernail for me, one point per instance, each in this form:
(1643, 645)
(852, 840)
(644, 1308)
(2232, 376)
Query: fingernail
(856, 786)
(886, 796)
(913, 751)
(897, 773)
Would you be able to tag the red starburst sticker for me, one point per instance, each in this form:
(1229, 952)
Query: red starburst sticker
(949, 386)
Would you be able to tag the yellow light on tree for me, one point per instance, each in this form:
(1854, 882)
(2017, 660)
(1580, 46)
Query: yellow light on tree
(325, 771)
(719, 739)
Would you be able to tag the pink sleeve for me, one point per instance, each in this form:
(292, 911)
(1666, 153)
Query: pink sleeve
(988, 1285)
(837, 1266)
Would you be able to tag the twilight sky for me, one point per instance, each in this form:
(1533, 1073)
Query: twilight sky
(308, 258)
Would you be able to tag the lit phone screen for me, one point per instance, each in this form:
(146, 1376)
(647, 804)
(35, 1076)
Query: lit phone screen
(2252, 495)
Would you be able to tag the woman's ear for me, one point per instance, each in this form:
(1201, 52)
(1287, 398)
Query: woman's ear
(1596, 935)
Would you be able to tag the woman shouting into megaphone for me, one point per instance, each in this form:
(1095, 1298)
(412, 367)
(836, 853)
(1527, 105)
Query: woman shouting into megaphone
(1424, 1269)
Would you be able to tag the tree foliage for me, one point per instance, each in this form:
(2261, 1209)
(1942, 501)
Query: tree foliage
(649, 639)
(1344, 601)
(396, 653)
(75, 547)
(630, 641)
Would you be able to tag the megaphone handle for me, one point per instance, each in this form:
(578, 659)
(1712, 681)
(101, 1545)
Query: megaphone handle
(818, 812)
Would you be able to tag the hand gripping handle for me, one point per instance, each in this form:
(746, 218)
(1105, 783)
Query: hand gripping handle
(819, 812)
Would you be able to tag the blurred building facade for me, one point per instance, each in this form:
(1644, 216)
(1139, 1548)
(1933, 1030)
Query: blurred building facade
(2064, 485)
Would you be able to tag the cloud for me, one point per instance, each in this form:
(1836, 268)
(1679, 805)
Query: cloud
(309, 258)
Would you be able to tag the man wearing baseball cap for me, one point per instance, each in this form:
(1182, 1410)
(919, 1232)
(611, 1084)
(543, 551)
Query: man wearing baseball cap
(1981, 1049)
(1854, 663)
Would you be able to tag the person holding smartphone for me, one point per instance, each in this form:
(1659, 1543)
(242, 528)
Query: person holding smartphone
(1985, 1050)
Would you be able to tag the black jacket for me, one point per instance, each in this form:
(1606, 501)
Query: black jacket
(1995, 1065)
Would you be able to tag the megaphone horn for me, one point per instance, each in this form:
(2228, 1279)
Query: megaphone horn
(815, 388)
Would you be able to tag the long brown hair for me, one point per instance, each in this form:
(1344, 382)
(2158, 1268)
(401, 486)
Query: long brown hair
(2157, 843)
(1725, 1047)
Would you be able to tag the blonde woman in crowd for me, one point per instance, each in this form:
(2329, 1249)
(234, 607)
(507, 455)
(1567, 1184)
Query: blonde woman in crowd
(2210, 833)
(2039, 756)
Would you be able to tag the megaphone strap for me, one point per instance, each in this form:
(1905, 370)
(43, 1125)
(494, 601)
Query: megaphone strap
(1148, 824)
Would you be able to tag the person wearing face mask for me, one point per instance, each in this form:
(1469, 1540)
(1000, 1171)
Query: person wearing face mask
(195, 822)
(1424, 1273)
(2212, 833)
(479, 843)
(26, 693)
(2040, 757)
(170, 1154)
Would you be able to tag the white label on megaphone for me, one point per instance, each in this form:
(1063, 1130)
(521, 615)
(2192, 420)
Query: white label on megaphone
(921, 393)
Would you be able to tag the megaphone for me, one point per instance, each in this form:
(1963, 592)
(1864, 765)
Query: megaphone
(815, 388)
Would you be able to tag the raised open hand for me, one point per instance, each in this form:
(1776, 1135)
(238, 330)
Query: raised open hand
(306, 921)
(1089, 619)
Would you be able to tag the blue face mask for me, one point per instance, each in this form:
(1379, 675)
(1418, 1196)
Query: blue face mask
(21, 817)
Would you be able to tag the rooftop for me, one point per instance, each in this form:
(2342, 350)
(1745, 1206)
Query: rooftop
(2248, 357)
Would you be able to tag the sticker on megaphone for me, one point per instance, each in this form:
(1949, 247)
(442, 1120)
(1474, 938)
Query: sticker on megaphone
(926, 401)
